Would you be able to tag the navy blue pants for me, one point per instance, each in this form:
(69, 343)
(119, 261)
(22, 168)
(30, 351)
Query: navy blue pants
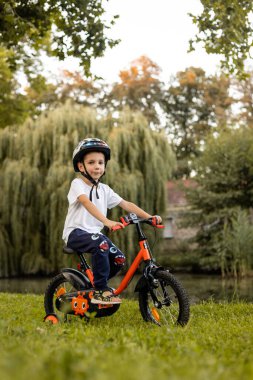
(106, 259)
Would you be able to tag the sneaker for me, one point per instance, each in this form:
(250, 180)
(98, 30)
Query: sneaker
(105, 297)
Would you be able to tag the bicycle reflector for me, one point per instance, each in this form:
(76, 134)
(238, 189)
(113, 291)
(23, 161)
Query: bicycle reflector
(155, 314)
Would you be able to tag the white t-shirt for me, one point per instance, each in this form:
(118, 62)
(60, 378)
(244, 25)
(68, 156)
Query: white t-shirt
(78, 216)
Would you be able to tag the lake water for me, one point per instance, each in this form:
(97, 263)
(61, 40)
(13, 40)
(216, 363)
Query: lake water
(200, 288)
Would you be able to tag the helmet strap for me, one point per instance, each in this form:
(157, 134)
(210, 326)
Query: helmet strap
(94, 183)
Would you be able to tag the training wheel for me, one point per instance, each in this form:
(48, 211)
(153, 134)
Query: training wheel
(52, 318)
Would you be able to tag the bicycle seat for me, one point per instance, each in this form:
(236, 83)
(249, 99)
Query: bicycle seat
(68, 250)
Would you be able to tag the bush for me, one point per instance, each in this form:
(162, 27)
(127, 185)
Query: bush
(224, 196)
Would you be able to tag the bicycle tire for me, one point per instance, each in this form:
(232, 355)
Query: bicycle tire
(175, 308)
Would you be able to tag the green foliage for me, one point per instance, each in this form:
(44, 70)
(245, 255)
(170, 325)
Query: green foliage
(225, 172)
(217, 344)
(41, 95)
(235, 245)
(36, 171)
(244, 90)
(75, 87)
(63, 28)
(225, 183)
(195, 105)
(225, 27)
(14, 106)
(139, 88)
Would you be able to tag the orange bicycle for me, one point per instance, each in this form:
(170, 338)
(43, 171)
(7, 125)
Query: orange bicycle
(162, 299)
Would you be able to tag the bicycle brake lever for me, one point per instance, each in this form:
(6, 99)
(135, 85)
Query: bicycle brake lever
(124, 222)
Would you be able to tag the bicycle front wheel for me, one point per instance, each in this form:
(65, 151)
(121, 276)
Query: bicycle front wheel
(169, 304)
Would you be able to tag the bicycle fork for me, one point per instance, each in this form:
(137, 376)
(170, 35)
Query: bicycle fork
(153, 283)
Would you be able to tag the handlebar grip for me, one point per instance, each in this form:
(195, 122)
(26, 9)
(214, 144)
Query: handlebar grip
(124, 222)
(115, 228)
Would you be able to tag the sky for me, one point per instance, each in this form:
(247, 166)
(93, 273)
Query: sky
(159, 29)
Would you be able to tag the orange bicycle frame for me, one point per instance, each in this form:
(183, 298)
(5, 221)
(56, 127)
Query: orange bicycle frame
(143, 255)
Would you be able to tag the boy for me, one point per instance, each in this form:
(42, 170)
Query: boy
(88, 203)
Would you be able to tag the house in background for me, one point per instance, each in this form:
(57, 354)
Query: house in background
(177, 210)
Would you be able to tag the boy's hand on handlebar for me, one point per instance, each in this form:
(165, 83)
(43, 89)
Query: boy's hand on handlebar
(157, 219)
(111, 225)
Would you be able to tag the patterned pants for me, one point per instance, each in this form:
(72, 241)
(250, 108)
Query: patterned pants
(107, 259)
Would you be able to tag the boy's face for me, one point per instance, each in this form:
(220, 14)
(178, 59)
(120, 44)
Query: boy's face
(94, 163)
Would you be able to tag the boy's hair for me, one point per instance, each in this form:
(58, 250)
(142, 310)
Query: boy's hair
(87, 146)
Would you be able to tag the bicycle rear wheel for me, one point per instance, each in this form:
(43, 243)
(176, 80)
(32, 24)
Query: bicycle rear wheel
(58, 287)
(173, 306)
(58, 300)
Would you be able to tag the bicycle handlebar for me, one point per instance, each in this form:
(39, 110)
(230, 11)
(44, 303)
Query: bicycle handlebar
(133, 219)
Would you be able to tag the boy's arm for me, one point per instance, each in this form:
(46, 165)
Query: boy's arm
(132, 207)
(94, 211)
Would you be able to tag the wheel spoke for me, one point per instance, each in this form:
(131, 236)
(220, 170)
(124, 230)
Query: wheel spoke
(168, 311)
(167, 314)
(171, 302)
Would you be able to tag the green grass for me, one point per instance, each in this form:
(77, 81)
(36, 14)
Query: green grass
(216, 344)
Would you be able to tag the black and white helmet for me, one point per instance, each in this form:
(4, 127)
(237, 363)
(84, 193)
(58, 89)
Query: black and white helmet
(90, 145)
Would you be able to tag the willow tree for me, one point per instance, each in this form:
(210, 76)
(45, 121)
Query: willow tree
(36, 170)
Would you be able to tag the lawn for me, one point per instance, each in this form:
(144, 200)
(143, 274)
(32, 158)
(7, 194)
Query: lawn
(216, 344)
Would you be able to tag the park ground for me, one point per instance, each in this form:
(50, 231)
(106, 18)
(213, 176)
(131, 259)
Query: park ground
(216, 344)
